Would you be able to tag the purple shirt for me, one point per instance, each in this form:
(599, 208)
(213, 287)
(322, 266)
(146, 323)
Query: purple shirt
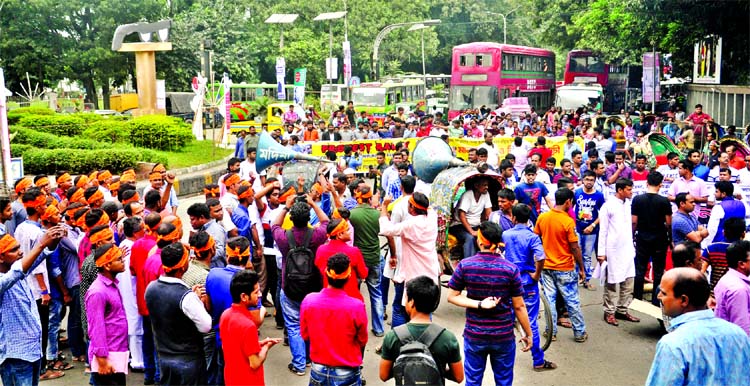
(108, 326)
(733, 299)
(319, 237)
(625, 173)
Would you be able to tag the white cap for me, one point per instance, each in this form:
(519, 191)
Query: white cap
(349, 171)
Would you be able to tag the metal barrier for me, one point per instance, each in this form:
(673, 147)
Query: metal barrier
(728, 105)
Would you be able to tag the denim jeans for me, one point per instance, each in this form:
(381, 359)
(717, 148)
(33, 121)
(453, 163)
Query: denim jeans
(376, 298)
(399, 312)
(55, 317)
(531, 298)
(75, 329)
(296, 343)
(566, 283)
(385, 284)
(466, 238)
(183, 370)
(502, 358)
(279, 317)
(588, 251)
(151, 370)
(210, 353)
(17, 372)
(321, 375)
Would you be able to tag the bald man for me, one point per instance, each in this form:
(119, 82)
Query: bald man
(700, 349)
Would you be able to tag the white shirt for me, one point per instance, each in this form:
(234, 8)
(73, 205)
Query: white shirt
(713, 175)
(743, 176)
(492, 157)
(126, 287)
(668, 172)
(437, 132)
(522, 155)
(248, 171)
(27, 234)
(399, 213)
(473, 208)
(542, 176)
(616, 239)
(192, 306)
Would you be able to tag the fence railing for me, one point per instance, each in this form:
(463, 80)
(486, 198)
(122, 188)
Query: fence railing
(728, 105)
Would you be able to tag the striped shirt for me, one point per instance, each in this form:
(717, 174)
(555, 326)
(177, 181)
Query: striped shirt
(482, 276)
(716, 256)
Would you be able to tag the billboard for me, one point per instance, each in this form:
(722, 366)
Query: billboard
(707, 61)
(651, 72)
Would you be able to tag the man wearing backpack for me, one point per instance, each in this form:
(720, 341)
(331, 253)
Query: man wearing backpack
(421, 352)
(494, 293)
(299, 276)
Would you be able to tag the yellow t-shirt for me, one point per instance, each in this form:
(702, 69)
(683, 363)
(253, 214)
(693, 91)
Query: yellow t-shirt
(557, 231)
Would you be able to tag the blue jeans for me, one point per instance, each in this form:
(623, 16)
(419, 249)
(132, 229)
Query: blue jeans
(55, 318)
(385, 284)
(376, 298)
(214, 373)
(183, 370)
(17, 372)
(322, 375)
(502, 358)
(588, 251)
(531, 298)
(150, 357)
(297, 345)
(75, 329)
(399, 312)
(565, 282)
(467, 239)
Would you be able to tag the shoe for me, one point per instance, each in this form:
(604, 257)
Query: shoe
(545, 367)
(582, 338)
(379, 349)
(610, 319)
(279, 326)
(378, 334)
(627, 316)
(51, 374)
(294, 371)
(564, 322)
(286, 341)
(308, 364)
(385, 315)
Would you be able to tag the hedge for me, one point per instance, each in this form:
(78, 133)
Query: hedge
(18, 149)
(16, 114)
(159, 132)
(108, 130)
(47, 161)
(67, 125)
(43, 140)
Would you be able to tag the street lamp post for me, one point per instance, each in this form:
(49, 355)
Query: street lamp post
(381, 35)
(330, 16)
(421, 28)
(281, 19)
(505, 21)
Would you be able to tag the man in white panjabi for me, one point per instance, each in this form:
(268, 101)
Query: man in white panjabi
(616, 248)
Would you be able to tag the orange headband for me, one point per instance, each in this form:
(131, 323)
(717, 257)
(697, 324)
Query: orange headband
(214, 192)
(93, 175)
(316, 187)
(231, 180)
(481, 240)
(338, 276)
(183, 261)
(339, 229)
(81, 221)
(49, 212)
(171, 236)
(111, 255)
(65, 177)
(177, 222)
(235, 252)
(415, 204)
(104, 220)
(103, 176)
(42, 181)
(95, 197)
(247, 194)
(154, 175)
(336, 215)
(159, 169)
(362, 197)
(71, 212)
(24, 184)
(7, 243)
(78, 197)
(209, 244)
(82, 181)
(39, 201)
(151, 231)
(105, 234)
(114, 187)
(136, 197)
(127, 177)
(286, 194)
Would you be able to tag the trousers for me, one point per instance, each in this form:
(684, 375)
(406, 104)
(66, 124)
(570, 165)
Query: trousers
(614, 303)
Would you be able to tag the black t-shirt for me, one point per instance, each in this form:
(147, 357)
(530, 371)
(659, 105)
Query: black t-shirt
(651, 210)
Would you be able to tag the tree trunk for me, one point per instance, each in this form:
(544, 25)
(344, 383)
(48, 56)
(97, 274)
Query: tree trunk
(105, 94)
(90, 87)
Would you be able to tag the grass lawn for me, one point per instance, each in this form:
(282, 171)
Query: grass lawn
(196, 153)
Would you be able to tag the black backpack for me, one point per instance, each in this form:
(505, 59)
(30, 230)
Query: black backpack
(301, 274)
(415, 364)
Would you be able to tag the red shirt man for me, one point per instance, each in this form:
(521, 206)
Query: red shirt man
(138, 255)
(540, 149)
(338, 231)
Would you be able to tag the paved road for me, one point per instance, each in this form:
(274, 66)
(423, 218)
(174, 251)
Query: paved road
(612, 355)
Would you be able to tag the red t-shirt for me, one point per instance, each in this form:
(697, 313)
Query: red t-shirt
(239, 337)
(357, 262)
(138, 255)
(639, 176)
(543, 152)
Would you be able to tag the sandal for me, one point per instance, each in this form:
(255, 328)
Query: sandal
(59, 365)
(564, 322)
(51, 374)
(589, 286)
(81, 358)
(379, 349)
(545, 367)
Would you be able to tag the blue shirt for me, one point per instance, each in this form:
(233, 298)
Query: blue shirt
(587, 209)
(523, 248)
(241, 219)
(217, 289)
(20, 326)
(682, 224)
(531, 195)
(701, 349)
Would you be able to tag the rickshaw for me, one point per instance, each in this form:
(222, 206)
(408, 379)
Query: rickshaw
(434, 163)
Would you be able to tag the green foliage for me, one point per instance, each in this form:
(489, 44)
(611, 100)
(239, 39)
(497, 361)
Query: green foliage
(108, 130)
(16, 114)
(259, 106)
(60, 124)
(89, 117)
(18, 149)
(159, 132)
(47, 161)
(44, 140)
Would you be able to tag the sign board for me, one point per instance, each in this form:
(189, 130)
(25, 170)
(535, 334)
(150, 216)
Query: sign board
(347, 61)
(332, 68)
(707, 61)
(651, 72)
(161, 94)
(354, 81)
(280, 73)
(300, 78)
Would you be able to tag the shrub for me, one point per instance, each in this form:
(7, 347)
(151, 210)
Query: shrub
(108, 130)
(18, 149)
(42, 140)
(88, 117)
(47, 161)
(16, 114)
(159, 132)
(67, 125)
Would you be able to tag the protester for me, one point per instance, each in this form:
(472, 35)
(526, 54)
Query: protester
(338, 233)
(473, 207)
(532, 192)
(133, 229)
(588, 201)
(733, 290)
(684, 225)
(715, 254)
(726, 207)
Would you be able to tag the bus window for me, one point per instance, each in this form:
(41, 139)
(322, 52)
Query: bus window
(466, 60)
(595, 65)
(276, 112)
(398, 96)
(484, 60)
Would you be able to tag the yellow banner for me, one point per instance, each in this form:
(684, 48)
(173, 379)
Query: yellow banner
(368, 148)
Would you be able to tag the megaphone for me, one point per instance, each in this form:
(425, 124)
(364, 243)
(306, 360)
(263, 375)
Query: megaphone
(431, 156)
(270, 152)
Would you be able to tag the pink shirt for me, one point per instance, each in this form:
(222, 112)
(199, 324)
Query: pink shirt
(733, 299)
(694, 187)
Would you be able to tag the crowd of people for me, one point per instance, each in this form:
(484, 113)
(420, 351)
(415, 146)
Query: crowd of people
(186, 309)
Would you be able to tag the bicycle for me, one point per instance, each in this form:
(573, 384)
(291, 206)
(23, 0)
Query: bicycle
(544, 323)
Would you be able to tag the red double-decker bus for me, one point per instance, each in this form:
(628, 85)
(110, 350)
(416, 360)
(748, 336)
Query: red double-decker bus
(485, 73)
(583, 66)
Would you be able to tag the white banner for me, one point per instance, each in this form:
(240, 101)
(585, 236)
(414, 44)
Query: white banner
(651, 73)
(332, 68)
(347, 62)
(196, 104)
(280, 73)
(161, 94)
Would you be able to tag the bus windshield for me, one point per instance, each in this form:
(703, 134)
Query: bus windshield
(466, 97)
(368, 96)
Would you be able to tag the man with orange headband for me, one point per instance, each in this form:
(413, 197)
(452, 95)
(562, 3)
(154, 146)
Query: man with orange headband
(64, 182)
(20, 326)
(335, 324)
(94, 197)
(246, 227)
(100, 235)
(179, 319)
(418, 233)
(157, 178)
(108, 326)
(229, 201)
(268, 203)
(19, 212)
(493, 299)
(200, 220)
(105, 179)
(132, 230)
(338, 233)
(233, 167)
